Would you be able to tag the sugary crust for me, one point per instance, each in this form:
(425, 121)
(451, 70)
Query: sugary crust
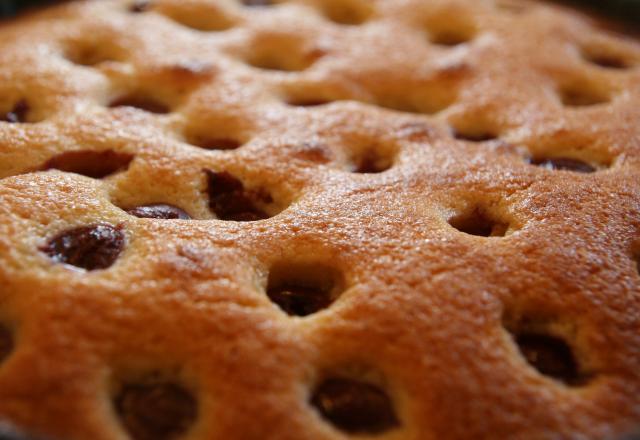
(426, 306)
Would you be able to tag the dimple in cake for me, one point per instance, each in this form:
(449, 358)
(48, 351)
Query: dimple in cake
(319, 219)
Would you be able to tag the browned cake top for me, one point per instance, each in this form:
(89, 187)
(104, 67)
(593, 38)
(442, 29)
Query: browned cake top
(319, 219)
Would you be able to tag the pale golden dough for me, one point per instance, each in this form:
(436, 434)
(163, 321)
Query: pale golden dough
(426, 305)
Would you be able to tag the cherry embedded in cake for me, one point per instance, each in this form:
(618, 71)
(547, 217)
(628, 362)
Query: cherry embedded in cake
(160, 211)
(355, 407)
(230, 200)
(87, 247)
(303, 216)
(156, 411)
(302, 289)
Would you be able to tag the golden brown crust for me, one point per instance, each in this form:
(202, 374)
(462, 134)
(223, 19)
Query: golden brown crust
(427, 313)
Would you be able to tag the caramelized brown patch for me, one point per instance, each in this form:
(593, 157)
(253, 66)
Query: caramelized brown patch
(88, 247)
(230, 200)
(95, 164)
(159, 211)
(355, 407)
(156, 411)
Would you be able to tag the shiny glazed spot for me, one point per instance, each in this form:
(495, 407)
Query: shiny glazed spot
(88, 247)
(159, 211)
(157, 411)
(355, 407)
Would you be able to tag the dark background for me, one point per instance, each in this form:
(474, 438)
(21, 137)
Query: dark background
(627, 10)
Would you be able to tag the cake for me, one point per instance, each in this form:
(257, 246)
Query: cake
(319, 219)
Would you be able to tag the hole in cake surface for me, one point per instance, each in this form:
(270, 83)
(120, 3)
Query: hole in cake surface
(91, 54)
(213, 142)
(563, 164)
(573, 96)
(473, 135)
(478, 223)
(257, 3)
(141, 102)
(605, 59)
(230, 200)
(160, 211)
(550, 355)
(372, 163)
(88, 247)
(373, 159)
(94, 164)
(306, 101)
(355, 407)
(304, 289)
(450, 37)
(542, 345)
(428, 100)
(348, 12)
(156, 410)
(206, 19)
(19, 113)
(139, 6)
(282, 54)
(6, 343)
